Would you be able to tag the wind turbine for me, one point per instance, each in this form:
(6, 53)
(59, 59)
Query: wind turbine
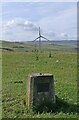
(39, 38)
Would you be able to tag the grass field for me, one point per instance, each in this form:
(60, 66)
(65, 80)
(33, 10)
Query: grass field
(19, 63)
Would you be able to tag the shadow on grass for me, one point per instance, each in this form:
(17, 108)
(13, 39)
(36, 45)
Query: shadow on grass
(59, 106)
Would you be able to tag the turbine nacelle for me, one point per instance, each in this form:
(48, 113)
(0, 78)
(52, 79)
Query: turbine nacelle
(40, 36)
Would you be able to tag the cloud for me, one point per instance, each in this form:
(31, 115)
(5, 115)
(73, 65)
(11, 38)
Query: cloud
(30, 26)
(19, 29)
(24, 24)
(64, 36)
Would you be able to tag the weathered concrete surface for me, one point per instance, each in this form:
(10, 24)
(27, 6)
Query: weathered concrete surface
(40, 87)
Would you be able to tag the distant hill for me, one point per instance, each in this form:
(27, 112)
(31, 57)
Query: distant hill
(64, 45)
(62, 42)
(58, 42)
(66, 42)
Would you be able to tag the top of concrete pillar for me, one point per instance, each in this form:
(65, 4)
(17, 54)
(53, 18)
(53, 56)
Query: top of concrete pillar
(40, 74)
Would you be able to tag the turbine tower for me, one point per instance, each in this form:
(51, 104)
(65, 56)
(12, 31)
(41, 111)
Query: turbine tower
(39, 38)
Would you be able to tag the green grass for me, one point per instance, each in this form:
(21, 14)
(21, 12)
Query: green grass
(17, 65)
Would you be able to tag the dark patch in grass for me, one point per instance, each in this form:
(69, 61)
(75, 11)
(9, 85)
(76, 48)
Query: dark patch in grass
(50, 55)
(18, 46)
(59, 106)
(18, 82)
(8, 49)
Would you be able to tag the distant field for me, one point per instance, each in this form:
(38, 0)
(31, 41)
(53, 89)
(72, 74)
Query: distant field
(22, 61)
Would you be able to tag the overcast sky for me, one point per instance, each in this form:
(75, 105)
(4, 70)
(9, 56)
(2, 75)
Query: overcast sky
(20, 20)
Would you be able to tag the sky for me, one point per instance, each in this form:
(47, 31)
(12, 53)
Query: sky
(20, 20)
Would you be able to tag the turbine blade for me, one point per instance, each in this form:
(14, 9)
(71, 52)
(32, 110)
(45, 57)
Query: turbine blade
(45, 38)
(36, 38)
